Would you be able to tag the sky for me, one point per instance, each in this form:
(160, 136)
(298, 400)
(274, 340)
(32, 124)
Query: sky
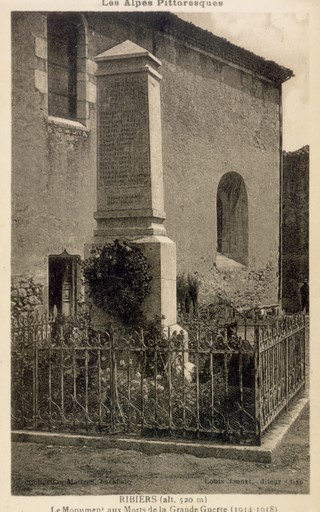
(281, 37)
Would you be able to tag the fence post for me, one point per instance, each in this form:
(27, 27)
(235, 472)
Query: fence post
(304, 351)
(287, 370)
(112, 382)
(226, 383)
(142, 377)
(257, 383)
(35, 379)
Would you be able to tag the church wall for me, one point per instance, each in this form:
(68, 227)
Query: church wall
(215, 119)
(53, 164)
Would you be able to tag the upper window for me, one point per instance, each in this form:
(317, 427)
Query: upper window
(63, 33)
(232, 218)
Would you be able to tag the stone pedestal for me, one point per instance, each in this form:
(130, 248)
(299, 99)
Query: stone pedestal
(129, 159)
(161, 254)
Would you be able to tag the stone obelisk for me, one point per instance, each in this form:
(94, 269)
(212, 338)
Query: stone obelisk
(129, 159)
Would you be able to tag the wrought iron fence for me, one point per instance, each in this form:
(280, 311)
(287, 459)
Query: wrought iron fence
(225, 381)
(281, 363)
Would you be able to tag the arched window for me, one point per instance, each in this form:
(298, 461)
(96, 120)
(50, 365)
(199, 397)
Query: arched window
(66, 39)
(232, 218)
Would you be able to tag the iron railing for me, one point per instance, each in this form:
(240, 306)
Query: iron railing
(226, 381)
(281, 363)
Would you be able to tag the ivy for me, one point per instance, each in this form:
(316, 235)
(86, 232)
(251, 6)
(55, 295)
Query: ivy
(118, 279)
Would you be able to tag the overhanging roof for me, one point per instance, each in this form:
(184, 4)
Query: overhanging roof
(219, 47)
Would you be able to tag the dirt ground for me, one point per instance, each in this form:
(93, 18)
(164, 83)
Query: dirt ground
(44, 470)
(62, 470)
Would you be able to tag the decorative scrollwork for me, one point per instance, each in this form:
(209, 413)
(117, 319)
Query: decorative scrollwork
(68, 375)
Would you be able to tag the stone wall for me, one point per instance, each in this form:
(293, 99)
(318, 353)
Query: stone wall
(26, 296)
(53, 162)
(239, 285)
(216, 119)
(295, 230)
(238, 133)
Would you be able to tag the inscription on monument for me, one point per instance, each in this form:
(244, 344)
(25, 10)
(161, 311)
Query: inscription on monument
(123, 145)
(123, 200)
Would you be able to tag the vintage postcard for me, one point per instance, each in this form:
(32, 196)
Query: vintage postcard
(160, 251)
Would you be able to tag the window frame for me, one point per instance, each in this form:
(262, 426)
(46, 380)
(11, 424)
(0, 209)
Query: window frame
(80, 117)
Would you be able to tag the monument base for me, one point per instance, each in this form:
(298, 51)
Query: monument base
(160, 252)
